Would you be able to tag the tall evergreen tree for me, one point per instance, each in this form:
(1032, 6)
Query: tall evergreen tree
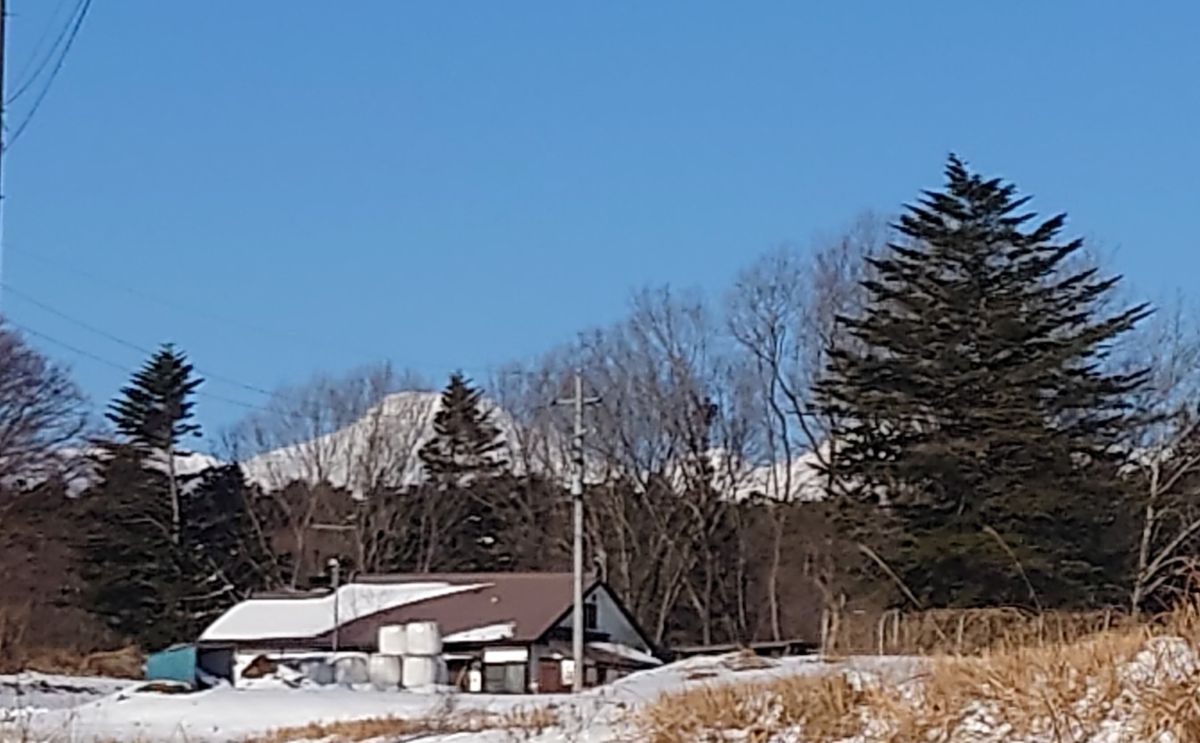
(225, 553)
(463, 465)
(134, 576)
(974, 402)
(164, 553)
(154, 412)
(466, 444)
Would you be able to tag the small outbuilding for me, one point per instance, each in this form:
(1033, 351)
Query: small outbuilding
(190, 664)
(501, 632)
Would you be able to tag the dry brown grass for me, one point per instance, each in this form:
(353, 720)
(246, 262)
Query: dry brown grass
(18, 654)
(122, 663)
(522, 722)
(962, 631)
(1053, 692)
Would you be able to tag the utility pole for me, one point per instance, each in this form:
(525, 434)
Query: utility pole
(3, 139)
(335, 570)
(577, 617)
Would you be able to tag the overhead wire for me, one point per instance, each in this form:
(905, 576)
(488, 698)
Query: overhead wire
(276, 334)
(81, 13)
(277, 396)
(122, 367)
(32, 77)
(122, 341)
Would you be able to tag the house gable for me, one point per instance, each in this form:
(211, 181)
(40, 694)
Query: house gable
(612, 619)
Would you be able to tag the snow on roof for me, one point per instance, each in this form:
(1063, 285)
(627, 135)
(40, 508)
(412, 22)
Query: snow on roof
(486, 633)
(295, 618)
(624, 651)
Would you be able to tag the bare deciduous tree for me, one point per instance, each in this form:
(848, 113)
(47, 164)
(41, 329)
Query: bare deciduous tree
(41, 413)
(332, 458)
(1167, 458)
(783, 314)
(664, 452)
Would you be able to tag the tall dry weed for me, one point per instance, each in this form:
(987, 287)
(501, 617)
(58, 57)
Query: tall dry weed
(1143, 681)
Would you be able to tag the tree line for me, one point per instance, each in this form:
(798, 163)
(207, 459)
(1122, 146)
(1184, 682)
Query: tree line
(959, 408)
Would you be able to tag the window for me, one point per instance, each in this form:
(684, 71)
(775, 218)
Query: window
(589, 615)
(504, 678)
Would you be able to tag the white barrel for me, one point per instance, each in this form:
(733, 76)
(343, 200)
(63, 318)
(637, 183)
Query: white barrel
(351, 670)
(384, 671)
(393, 639)
(420, 671)
(423, 639)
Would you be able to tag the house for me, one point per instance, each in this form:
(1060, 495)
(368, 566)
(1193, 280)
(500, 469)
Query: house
(502, 632)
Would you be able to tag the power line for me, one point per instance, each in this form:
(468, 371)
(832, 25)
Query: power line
(33, 55)
(276, 334)
(121, 367)
(147, 296)
(127, 343)
(81, 14)
(276, 396)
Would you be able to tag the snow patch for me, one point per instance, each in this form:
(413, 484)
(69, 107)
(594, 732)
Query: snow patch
(486, 633)
(624, 651)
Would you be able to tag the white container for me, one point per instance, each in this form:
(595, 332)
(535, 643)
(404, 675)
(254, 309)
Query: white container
(420, 670)
(351, 670)
(423, 639)
(393, 639)
(384, 671)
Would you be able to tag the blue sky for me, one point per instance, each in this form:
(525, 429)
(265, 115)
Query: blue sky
(317, 185)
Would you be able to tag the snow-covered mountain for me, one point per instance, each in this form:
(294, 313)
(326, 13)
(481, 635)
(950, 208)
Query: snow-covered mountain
(381, 448)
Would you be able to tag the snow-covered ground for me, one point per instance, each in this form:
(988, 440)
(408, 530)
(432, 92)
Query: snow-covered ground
(1149, 694)
(226, 714)
(26, 694)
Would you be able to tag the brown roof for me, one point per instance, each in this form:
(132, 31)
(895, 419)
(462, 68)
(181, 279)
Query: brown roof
(532, 602)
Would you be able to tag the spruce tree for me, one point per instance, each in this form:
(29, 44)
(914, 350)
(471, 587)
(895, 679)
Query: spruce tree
(466, 444)
(226, 556)
(139, 570)
(463, 464)
(973, 402)
(154, 412)
(135, 579)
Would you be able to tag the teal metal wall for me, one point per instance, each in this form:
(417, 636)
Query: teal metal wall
(176, 663)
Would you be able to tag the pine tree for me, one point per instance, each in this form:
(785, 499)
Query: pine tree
(463, 464)
(974, 402)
